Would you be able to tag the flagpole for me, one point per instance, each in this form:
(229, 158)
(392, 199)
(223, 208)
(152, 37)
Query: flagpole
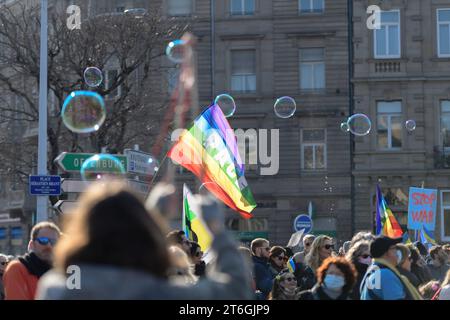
(42, 201)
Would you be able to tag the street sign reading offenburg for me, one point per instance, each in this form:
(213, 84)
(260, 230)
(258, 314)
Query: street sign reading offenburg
(72, 162)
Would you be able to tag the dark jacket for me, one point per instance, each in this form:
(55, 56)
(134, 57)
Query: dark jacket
(263, 275)
(362, 269)
(411, 276)
(318, 293)
(306, 279)
(224, 282)
(421, 272)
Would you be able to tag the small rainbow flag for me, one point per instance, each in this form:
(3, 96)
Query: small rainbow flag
(386, 223)
(209, 150)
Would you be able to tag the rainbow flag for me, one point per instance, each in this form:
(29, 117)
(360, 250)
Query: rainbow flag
(194, 227)
(386, 223)
(209, 150)
(426, 237)
(291, 265)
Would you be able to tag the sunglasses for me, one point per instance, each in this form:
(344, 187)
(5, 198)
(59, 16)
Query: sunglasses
(329, 246)
(289, 279)
(281, 258)
(3, 263)
(365, 256)
(198, 254)
(43, 241)
(307, 244)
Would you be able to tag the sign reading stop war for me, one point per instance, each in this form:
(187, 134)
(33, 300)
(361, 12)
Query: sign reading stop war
(422, 209)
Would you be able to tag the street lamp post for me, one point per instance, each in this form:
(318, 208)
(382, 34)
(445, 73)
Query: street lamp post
(42, 201)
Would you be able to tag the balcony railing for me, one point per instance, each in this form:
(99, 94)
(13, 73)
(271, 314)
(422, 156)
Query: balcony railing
(387, 67)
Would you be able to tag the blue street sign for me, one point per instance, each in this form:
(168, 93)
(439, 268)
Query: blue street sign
(303, 221)
(45, 185)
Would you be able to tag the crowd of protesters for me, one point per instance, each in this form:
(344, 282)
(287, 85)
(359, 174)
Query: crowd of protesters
(125, 250)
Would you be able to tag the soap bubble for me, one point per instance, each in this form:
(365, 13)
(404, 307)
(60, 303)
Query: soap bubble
(226, 104)
(285, 107)
(175, 51)
(344, 127)
(410, 125)
(83, 111)
(102, 166)
(359, 124)
(93, 76)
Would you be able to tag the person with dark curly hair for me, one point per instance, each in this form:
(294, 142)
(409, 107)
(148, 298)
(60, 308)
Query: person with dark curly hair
(335, 280)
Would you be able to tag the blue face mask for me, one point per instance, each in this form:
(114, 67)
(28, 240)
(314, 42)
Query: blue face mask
(333, 282)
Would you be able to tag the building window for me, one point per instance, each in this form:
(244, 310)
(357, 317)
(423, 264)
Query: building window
(308, 6)
(445, 215)
(110, 80)
(445, 124)
(242, 7)
(443, 20)
(173, 74)
(3, 233)
(314, 149)
(179, 7)
(243, 71)
(394, 197)
(312, 69)
(387, 38)
(389, 124)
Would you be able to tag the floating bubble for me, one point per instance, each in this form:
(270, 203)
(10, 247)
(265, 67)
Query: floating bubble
(410, 125)
(226, 104)
(102, 166)
(285, 107)
(344, 127)
(83, 111)
(175, 51)
(93, 77)
(359, 124)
